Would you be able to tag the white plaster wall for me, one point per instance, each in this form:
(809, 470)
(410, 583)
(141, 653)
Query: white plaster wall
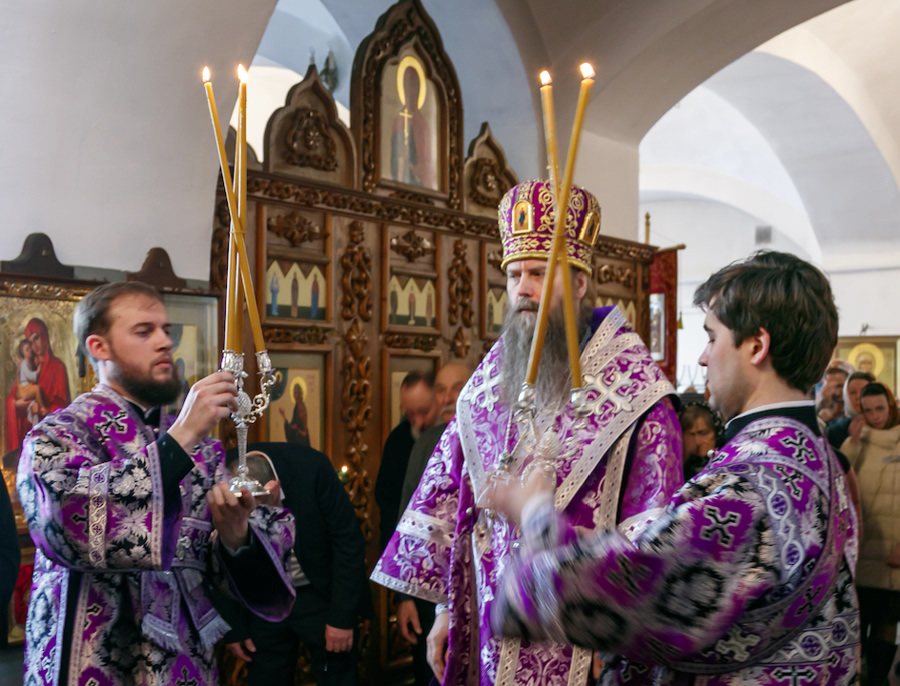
(867, 296)
(715, 235)
(609, 170)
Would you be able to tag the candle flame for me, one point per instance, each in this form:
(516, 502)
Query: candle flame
(545, 78)
(242, 73)
(205, 74)
(587, 71)
(344, 469)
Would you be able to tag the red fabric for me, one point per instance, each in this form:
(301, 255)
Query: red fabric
(664, 279)
(22, 592)
(54, 384)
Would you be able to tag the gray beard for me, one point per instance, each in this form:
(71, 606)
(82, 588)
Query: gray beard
(554, 379)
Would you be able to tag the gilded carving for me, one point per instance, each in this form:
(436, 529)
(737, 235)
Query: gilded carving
(23, 289)
(423, 343)
(459, 277)
(628, 251)
(308, 142)
(295, 228)
(412, 246)
(410, 196)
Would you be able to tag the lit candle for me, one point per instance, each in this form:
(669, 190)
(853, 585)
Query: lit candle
(558, 252)
(550, 130)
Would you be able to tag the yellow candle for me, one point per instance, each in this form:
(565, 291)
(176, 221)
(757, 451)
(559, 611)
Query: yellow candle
(558, 252)
(550, 130)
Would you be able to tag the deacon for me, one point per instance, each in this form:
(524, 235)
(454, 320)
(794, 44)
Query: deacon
(748, 576)
(131, 518)
(619, 463)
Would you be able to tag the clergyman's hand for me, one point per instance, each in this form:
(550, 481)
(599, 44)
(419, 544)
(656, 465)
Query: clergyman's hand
(230, 514)
(407, 615)
(242, 649)
(209, 401)
(437, 645)
(510, 497)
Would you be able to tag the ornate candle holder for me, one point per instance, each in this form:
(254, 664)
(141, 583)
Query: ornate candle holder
(249, 410)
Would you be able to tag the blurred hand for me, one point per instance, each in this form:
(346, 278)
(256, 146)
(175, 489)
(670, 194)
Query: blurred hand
(242, 649)
(209, 401)
(230, 514)
(437, 645)
(510, 497)
(338, 640)
(856, 427)
(407, 615)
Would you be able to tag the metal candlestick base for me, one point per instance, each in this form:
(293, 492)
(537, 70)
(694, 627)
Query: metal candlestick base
(249, 410)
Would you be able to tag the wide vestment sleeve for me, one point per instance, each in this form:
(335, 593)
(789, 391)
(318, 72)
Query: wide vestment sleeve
(92, 506)
(416, 561)
(656, 471)
(678, 588)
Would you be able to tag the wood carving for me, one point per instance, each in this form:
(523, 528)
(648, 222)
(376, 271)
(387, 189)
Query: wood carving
(310, 335)
(616, 274)
(157, 271)
(460, 345)
(380, 208)
(459, 278)
(218, 267)
(308, 142)
(409, 196)
(52, 291)
(412, 246)
(295, 228)
(424, 343)
(405, 23)
(611, 247)
(356, 278)
(495, 258)
(306, 138)
(38, 258)
(356, 369)
(487, 175)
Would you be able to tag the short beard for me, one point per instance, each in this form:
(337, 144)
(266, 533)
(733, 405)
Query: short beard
(554, 379)
(143, 388)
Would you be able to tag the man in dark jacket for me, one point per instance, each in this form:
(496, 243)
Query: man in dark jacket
(327, 569)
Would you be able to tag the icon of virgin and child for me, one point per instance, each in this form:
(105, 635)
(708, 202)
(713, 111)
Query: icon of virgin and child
(40, 385)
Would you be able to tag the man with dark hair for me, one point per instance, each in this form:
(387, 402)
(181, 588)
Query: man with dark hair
(131, 516)
(328, 572)
(419, 406)
(830, 400)
(748, 576)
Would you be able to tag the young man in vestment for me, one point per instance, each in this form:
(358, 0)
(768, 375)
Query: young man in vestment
(132, 519)
(621, 460)
(748, 576)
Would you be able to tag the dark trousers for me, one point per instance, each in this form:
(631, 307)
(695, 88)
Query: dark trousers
(278, 645)
(421, 670)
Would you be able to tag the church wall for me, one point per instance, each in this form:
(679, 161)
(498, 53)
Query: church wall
(609, 170)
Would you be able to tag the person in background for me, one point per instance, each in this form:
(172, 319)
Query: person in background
(830, 405)
(10, 557)
(702, 431)
(415, 617)
(839, 429)
(328, 573)
(873, 449)
(419, 405)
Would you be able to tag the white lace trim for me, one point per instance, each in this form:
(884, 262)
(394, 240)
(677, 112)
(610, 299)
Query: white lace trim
(98, 492)
(406, 588)
(426, 528)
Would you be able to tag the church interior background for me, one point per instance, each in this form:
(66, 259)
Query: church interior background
(382, 139)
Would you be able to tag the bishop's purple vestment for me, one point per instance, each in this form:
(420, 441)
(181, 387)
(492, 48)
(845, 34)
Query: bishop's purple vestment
(124, 568)
(622, 464)
(746, 579)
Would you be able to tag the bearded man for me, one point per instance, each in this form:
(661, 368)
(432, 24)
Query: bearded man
(131, 518)
(617, 465)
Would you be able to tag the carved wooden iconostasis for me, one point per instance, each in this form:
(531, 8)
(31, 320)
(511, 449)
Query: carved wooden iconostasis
(375, 251)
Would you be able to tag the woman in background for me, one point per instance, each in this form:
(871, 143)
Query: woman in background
(873, 449)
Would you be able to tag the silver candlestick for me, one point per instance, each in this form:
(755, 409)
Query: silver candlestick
(249, 410)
